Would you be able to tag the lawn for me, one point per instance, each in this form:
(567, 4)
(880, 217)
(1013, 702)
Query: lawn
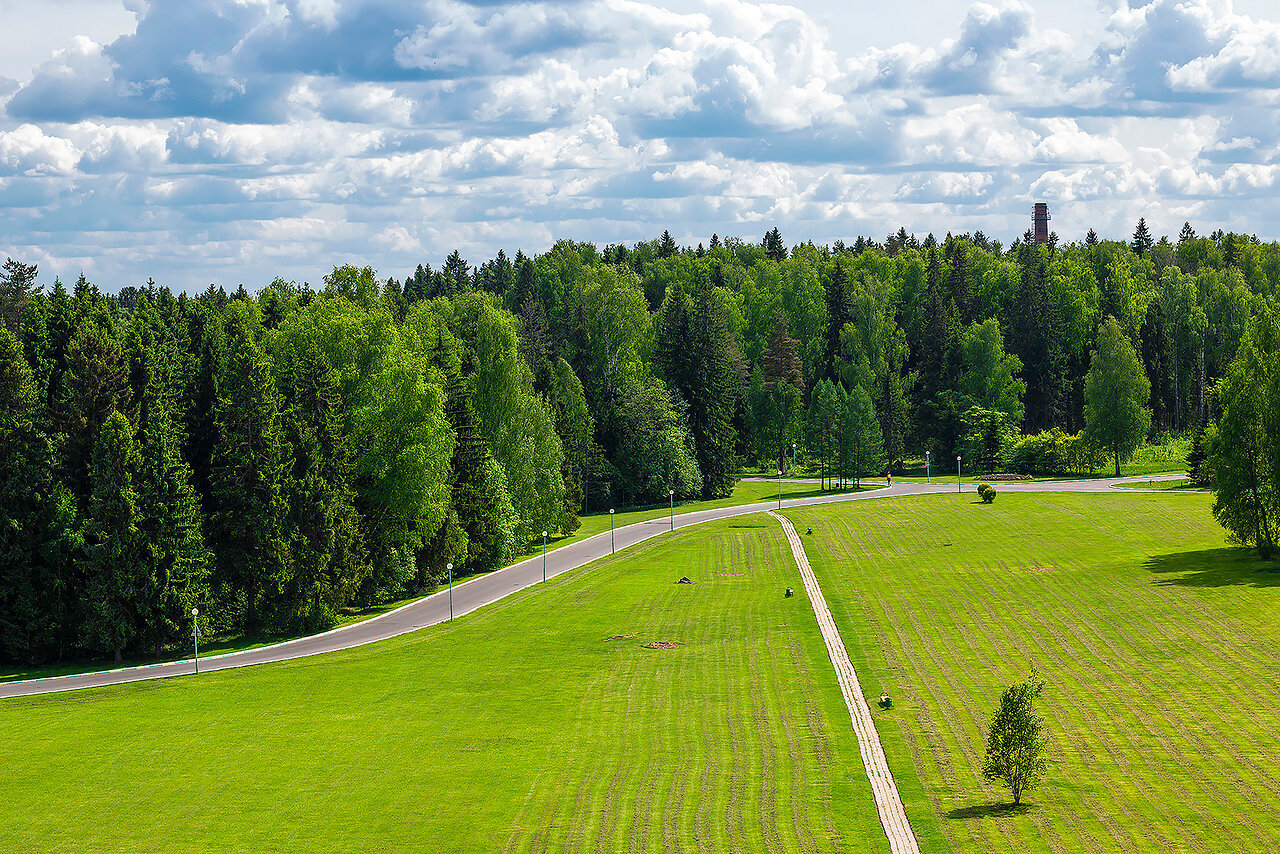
(1159, 644)
(744, 492)
(539, 723)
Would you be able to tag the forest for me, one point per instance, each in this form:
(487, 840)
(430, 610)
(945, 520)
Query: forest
(274, 457)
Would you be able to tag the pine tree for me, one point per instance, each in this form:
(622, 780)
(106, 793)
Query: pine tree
(115, 583)
(1187, 233)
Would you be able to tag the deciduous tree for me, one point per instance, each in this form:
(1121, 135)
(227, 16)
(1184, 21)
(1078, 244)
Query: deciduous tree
(1015, 739)
(1115, 395)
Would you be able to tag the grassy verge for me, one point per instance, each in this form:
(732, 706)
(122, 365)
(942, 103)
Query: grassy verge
(1158, 643)
(1173, 485)
(539, 723)
(592, 524)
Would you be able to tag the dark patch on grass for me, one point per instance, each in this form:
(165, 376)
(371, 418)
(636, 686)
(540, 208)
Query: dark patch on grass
(989, 811)
(746, 526)
(662, 645)
(1225, 567)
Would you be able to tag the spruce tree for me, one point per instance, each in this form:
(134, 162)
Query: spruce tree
(838, 314)
(774, 248)
(861, 440)
(115, 582)
(175, 560)
(94, 385)
(17, 286)
(667, 245)
(246, 488)
(39, 534)
(327, 562)
(1141, 238)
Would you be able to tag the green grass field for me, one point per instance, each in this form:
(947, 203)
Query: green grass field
(1158, 643)
(521, 727)
(746, 492)
(544, 723)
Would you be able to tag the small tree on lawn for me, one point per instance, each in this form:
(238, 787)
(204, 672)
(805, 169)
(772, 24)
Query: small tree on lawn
(1015, 743)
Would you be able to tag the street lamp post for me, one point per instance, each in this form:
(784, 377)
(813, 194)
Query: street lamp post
(613, 548)
(958, 489)
(195, 635)
(926, 467)
(544, 555)
(450, 592)
(779, 489)
(671, 507)
(793, 456)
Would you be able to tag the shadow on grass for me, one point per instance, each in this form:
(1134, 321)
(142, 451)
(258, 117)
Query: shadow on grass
(989, 811)
(1225, 567)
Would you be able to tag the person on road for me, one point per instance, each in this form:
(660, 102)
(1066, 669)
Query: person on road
(888, 476)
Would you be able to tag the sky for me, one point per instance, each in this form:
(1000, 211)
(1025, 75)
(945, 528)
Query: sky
(234, 141)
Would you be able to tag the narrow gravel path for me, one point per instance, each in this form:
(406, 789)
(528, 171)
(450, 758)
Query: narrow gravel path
(892, 816)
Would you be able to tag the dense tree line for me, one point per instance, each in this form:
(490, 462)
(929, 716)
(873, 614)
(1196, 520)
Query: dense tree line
(275, 457)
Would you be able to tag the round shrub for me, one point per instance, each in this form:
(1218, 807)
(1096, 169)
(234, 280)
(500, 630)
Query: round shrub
(989, 494)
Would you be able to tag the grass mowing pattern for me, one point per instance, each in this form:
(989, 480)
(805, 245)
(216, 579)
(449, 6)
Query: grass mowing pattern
(1158, 643)
(744, 492)
(519, 728)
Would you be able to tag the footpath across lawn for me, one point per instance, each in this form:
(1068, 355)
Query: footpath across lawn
(1160, 646)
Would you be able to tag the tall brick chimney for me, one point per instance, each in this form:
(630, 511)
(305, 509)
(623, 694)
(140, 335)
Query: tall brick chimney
(1041, 218)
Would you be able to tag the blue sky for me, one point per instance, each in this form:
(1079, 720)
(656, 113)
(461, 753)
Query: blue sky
(232, 141)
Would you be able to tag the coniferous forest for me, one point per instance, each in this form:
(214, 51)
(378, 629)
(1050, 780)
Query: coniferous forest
(273, 457)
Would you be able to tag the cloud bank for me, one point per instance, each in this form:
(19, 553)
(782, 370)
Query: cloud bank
(232, 141)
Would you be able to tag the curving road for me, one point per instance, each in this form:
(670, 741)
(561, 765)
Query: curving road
(485, 589)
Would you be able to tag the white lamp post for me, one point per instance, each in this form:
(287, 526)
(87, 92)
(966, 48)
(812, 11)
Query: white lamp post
(926, 467)
(450, 592)
(779, 489)
(195, 635)
(958, 489)
(671, 508)
(544, 555)
(613, 547)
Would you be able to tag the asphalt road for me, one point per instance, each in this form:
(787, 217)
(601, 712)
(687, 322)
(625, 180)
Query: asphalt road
(485, 589)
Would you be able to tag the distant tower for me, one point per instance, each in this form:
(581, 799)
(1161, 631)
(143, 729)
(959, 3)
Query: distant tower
(1041, 218)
